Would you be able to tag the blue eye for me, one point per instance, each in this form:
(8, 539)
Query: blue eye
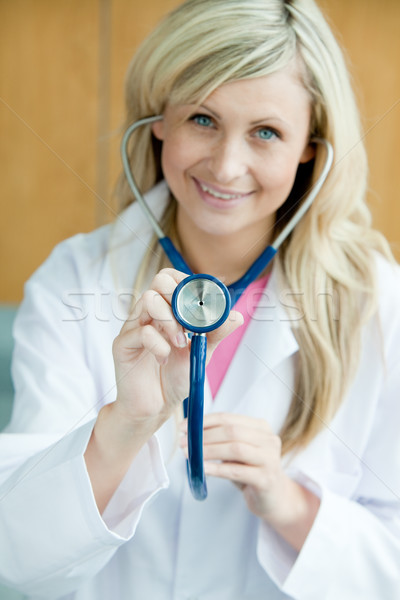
(202, 120)
(265, 133)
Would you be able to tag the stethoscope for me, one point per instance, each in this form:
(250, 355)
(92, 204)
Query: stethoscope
(201, 303)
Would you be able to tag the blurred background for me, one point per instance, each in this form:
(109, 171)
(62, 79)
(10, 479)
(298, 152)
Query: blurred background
(61, 109)
(62, 65)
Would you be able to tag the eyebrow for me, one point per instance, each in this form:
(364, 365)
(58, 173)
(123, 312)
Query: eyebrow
(253, 123)
(211, 111)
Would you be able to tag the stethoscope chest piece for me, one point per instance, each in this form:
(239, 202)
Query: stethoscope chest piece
(200, 303)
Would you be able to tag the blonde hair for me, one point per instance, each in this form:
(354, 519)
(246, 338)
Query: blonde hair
(184, 60)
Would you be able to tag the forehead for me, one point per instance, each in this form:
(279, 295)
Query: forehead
(278, 83)
(292, 78)
(279, 94)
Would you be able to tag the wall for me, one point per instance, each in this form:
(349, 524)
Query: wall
(61, 105)
(369, 31)
(61, 108)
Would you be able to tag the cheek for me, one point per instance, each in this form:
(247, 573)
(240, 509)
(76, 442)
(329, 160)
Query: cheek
(277, 183)
(177, 156)
(279, 176)
(167, 159)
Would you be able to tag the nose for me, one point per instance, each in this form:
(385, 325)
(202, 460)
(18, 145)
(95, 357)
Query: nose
(228, 160)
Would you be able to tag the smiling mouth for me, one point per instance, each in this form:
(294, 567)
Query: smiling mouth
(222, 195)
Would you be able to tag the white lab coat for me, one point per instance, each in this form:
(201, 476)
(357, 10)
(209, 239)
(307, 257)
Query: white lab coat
(154, 540)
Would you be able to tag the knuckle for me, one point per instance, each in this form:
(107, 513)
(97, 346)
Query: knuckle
(116, 344)
(148, 297)
(235, 471)
(231, 430)
(147, 334)
(163, 280)
(154, 305)
(237, 451)
(276, 443)
(158, 279)
(265, 481)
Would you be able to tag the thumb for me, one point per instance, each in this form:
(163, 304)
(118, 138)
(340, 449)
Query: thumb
(233, 322)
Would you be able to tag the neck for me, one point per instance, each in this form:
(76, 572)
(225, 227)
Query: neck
(226, 257)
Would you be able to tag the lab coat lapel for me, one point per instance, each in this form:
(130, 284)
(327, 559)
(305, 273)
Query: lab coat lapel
(267, 342)
(130, 236)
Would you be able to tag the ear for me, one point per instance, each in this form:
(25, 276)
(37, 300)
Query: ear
(308, 153)
(157, 129)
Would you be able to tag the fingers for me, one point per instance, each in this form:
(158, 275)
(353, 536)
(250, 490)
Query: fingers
(233, 443)
(141, 338)
(233, 424)
(230, 426)
(154, 308)
(166, 281)
(238, 448)
(244, 463)
(236, 452)
(240, 474)
(152, 319)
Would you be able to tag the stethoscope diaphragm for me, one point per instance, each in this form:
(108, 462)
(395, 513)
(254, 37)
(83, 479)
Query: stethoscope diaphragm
(201, 303)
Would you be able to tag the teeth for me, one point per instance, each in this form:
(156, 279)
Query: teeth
(218, 194)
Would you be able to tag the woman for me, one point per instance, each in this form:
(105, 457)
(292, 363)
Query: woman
(300, 439)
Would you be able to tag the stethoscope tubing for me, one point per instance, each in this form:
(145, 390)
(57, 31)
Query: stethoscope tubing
(174, 256)
(194, 411)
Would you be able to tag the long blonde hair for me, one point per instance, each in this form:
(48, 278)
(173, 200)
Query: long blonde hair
(206, 43)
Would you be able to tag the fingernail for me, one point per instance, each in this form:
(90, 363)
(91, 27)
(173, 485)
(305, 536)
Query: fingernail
(181, 340)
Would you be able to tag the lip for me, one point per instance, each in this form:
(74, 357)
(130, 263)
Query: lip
(220, 203)
(219, 190)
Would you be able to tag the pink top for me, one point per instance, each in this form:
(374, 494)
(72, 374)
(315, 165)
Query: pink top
(222, 357)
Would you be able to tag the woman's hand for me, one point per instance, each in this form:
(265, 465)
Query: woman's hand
(245, 451)
(151, 354)
(151, 358)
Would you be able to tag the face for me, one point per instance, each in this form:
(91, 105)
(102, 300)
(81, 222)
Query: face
(232, 162)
